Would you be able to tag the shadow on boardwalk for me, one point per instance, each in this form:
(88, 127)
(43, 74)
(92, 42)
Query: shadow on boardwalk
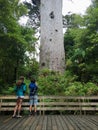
(50, 122)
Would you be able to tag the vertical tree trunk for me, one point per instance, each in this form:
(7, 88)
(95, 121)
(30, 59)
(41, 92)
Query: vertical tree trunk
(52, 48)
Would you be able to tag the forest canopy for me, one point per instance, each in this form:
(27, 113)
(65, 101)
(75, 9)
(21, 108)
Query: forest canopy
(15, 41)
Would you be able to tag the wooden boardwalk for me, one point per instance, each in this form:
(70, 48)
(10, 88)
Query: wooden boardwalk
(50, 122)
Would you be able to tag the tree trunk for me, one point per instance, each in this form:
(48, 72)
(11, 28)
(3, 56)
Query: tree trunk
(52, 48)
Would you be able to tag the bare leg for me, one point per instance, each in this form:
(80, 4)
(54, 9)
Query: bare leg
(30, 108)
(35, 108)
(19, 106)
(16, 108)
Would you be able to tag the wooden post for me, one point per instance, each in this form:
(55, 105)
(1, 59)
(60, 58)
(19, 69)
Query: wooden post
(0, 104)
(43, 106)
(40, 106)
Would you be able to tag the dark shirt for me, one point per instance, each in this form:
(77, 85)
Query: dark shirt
(33, 89)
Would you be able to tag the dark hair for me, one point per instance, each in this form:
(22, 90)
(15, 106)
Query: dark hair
(33, 80)
(21, 78)
(18, 83)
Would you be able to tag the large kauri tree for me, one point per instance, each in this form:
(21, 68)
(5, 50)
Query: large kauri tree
(52, 49)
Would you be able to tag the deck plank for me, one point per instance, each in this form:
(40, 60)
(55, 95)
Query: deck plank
(59, 126)
(31, 121)
(90, 123)
(54, 125)
(2, 119)
(44, 125)
(39, 126)
(69, 123)
(81, 123)
(15, 123)
(95, 120)
(50, 122)
(63, 123)
(20, 123)
(35, 122)
(7, 123)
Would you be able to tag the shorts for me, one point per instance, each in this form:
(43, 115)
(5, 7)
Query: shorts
(33, 100)
(20, 97)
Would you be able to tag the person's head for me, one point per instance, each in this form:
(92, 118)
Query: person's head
(22, 78)
(18, 83)
(33, 80)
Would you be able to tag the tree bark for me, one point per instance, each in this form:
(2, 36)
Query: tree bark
(52, 54)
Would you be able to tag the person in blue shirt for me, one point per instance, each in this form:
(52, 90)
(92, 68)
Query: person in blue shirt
(33, 96)
(20, 89)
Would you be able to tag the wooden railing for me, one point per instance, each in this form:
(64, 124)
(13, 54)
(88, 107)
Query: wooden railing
(76, 104)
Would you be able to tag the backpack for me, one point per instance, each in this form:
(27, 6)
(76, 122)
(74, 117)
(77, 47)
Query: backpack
(33, 89)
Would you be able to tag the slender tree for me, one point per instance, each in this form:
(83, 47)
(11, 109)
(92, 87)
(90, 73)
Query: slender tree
(15, 41)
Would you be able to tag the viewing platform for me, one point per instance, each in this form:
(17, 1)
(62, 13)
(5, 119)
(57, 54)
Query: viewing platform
(50, 122)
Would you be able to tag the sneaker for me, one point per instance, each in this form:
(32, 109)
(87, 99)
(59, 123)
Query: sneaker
(19, 116)
(14, 116)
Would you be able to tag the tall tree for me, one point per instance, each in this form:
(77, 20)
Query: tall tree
(52, 49)
(15, 40)
(81, 45)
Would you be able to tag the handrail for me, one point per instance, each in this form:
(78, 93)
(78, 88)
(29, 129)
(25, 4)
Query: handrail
(78, 104)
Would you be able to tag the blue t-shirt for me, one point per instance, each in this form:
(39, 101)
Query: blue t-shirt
(20, 90)
(33, 89)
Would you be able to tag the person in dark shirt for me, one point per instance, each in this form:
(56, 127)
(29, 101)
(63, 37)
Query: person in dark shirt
(33, 96)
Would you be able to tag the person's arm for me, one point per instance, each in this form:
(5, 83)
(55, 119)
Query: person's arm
(35, 89)
(24, 88)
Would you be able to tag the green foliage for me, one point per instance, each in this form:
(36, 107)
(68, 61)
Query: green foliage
(81, 45)
(53, 83)
(50, 83)
(31, 69)
(8, 90)
(92, 89)
(77, 88)
(33, 13)
(15, 41)
(73, 20)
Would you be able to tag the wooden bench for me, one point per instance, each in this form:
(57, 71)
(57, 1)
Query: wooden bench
(62, 104)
